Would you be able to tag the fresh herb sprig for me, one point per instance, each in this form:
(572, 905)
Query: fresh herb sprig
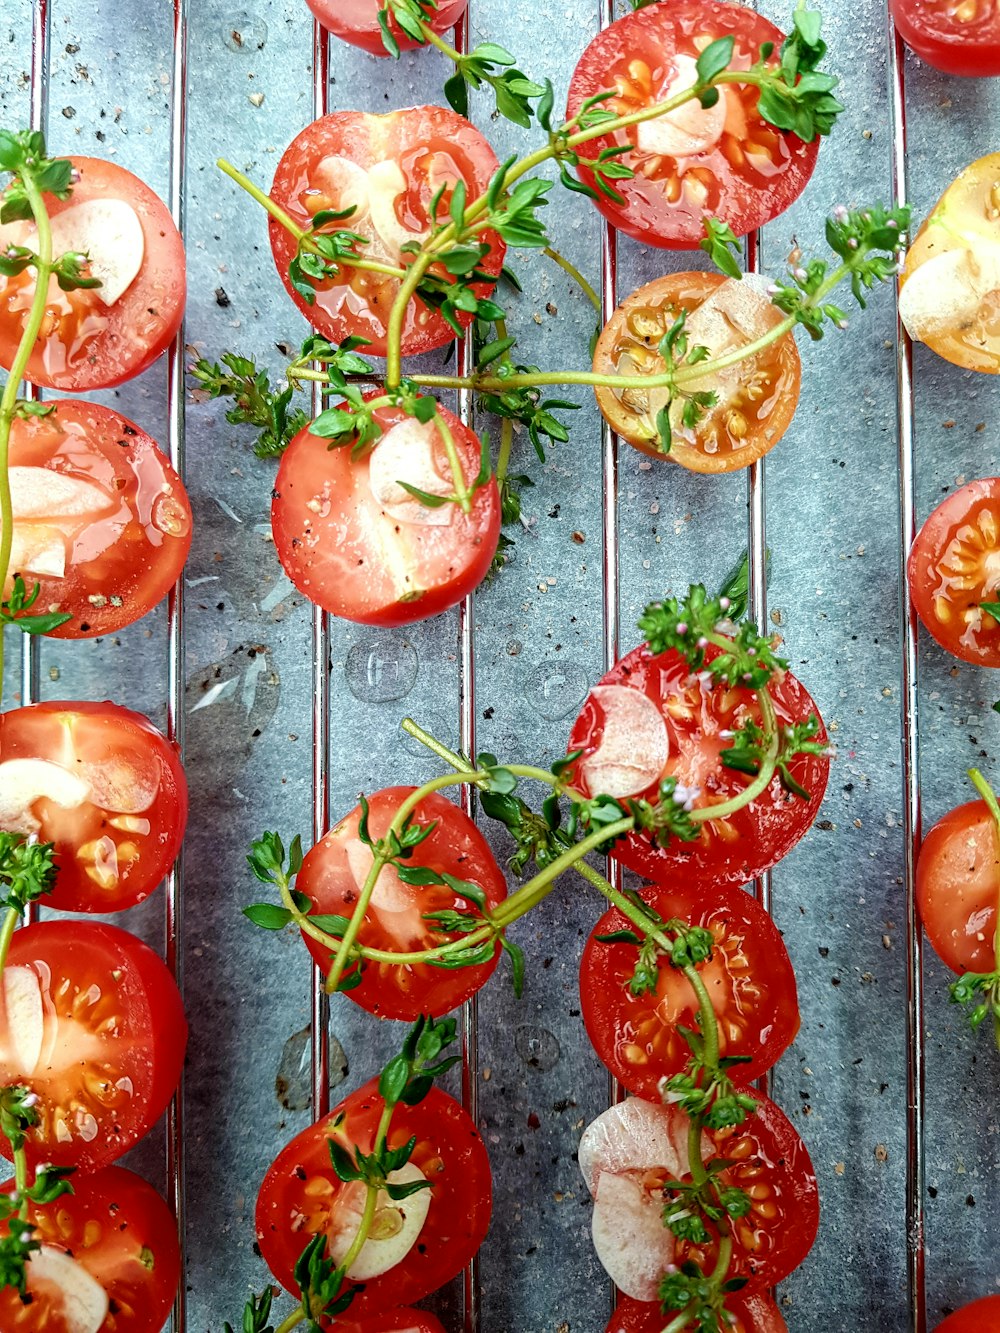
(979, 992)
(27, 873)
(18, 1234)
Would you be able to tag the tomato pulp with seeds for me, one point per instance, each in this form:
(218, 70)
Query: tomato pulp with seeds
(954, 566)
(103, 785)
(91, 1021)
(686, 722)
(958, 880)
(749, 978)
(982, 1316)
(388, 169)
(725, 162)
(755, 399)
(751, 1314)
(334, 872)
(957, 36)
(357, 544)
(88, 341)
(102, 522)
(302, 1196)
(356, 21)
(117, 1229)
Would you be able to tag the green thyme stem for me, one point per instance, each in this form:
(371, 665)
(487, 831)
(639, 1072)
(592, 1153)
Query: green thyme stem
(292, 1321)
(682, 1321)
(461, 765)
(988, 795)
(575, 274)
(7, 934)
(454, 463)
(503, 453)
(21, 1179)
(394, 328)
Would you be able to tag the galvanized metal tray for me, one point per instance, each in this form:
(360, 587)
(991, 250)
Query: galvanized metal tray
(284, 712)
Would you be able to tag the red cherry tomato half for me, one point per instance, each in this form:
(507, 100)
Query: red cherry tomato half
(102, 522)
(953, 568)
(332, 876)
(749, 978)
(394, 1321)
(93, 1023)
(356, 543)
(106, 787)
(388, 169)
(116, 1240)
(752, 1314)
(957, 36)
(982, 1316)
(678, 725)
(356, 21)
(958, 872)
(302, 1196)
(94, 338)
(725, 161)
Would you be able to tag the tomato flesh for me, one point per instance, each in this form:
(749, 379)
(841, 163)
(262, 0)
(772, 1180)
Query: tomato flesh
(300, 1194)
(356, 21)
(954, 566)
(982, 1316)
(745, 172)
(93, 1023)
(958, 883)
(957, 36)
(751, 1314)
(84, 343)
(394, 1321)
(749, 978)
(388, 168)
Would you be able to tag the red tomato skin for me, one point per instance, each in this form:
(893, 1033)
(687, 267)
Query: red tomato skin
(754, 1314)
(124, 562)
(322, 516)
(982, 1316)
(394, 1321)
(958, 871)
(356, 21)
(929, 28)
(458, 1217)
(768, 828)
(131, 1217)
(143, 323)
(410, 136)
(656, 31)
(617, 1021)
(153, 1014)
(457, 847)
(75, 890)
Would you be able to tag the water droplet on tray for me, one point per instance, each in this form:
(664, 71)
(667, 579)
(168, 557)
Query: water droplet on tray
(537, 1046)
(381, 668)
(245, 34)
(556, 689)
(293, 1081)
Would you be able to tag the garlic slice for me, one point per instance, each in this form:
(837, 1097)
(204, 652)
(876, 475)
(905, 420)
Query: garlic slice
(634, 745)
(386, 183)
(395, 1230)
(692, 128)
(629, 1237)
(25, 1015)
(945, 293)
(108, 231)
(347, 185)
(24, 781)
(41, 492)
(406, 453)
(80, 1300)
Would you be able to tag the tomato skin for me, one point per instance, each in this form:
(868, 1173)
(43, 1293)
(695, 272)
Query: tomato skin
(456, 847)
(394, 1321)
(131, 334)
(950, 569)
(344, 551)
(743, 196)
(356, 21)
(449, 1147)
(754, 1314)
(140, 1056)
(958, 873)
(767, 828)
(931, 29)
(119, 742)
(749, 978)
(982, 1316)
(106, 1224)
(428, 144)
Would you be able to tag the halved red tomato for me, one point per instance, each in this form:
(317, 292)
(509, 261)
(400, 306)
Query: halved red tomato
(958, 883)
(334, 871)
(749, 978)
(109, 1261)
(394, 1321)
(982, 1316)
(95, 337)
(356, 21)
(751, 1314)
(954, 567)
(958, 36)
(102, 522)
(93, 1023)
(725, 161)
(650, 717)
(388, 169)
(302, 1197)
(106, 787)
(356, 543)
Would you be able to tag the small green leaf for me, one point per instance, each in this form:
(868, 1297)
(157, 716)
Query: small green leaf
(269, 916)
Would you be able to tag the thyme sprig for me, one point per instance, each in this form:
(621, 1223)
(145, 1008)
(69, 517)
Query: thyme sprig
(979, 992)
(18, 1234)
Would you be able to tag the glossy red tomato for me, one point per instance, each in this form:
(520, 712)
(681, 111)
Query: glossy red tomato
(356, 21)
(334, 871)
(958, 36)
(749, 978)
(954, 566)
(102, 522)
(725, 162)
(388, 169)
(108, 1248)
(302, 1196)
(106, 787)
(356, 543)
(958, 881)
(94, 338)
(93, 1023)
(982, 1316)
(648, 718)
(393, 1321)
(751, 1314)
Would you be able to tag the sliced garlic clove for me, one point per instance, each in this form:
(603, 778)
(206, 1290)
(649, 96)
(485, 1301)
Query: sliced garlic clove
(119, 786)
(633, 1136)
(944, 294)
(629, 1236)
(347, 185)
(395, 1230)
(25, 1013)
(40, 492)
(634, 745)
(71, 1292)
(406, 453)
(39, 549)
(386, 183)
(109, 232)
(390, 894)
(692, 128)
(25, 781)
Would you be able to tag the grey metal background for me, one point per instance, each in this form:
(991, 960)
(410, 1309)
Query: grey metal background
(832, 509)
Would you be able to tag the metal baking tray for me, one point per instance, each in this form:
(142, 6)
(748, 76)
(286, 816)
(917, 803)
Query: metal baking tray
(283, 711)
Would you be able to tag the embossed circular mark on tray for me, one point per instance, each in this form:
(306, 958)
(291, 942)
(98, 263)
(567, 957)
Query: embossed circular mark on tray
(556, 689)
(381, 668)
